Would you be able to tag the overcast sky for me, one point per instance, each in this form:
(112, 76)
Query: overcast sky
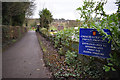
(67, 8)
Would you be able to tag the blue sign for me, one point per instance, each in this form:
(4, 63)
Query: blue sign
(92, 44)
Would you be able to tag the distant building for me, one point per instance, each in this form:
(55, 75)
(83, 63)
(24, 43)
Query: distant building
(61, 23)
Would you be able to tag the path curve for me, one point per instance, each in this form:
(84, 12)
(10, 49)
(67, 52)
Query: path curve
(24, 59)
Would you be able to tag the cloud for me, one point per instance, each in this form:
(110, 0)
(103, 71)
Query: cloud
(67, 8)
(110, 7)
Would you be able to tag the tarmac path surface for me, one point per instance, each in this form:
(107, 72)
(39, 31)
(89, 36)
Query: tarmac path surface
(24, 59)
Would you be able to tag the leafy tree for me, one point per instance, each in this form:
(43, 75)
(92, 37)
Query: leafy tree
(18, 19)
(62, 19)
(29, 11)
(45, 18)
(118, 11)
(103, 21)
(13, 13)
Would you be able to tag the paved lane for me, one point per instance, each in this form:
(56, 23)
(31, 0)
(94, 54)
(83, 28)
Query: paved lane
(24, 59)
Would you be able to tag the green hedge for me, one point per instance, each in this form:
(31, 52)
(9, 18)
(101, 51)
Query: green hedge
(11, 34)
(91, 67)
